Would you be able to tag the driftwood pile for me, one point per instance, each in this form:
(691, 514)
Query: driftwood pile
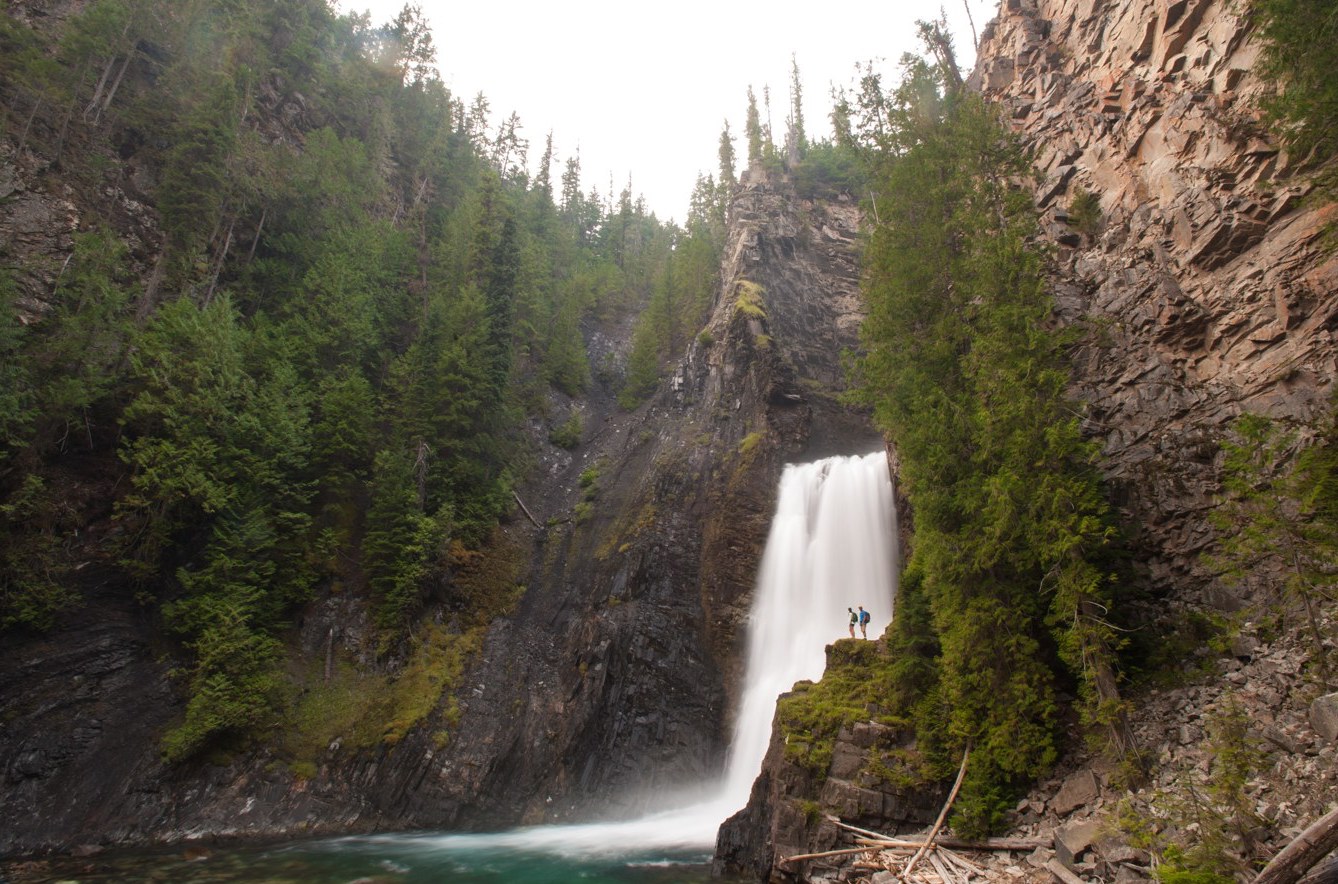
(929, 859)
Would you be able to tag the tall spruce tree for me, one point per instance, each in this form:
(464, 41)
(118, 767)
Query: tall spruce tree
(726, 156)
(968, 380)
(753, 130)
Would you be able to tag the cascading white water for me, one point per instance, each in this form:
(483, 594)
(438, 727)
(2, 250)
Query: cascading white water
(831, 547)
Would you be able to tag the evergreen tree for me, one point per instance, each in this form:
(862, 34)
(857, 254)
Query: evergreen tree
(408, 48)
(401, 538)
(380, 278)
(753, 129)
(542, 180)
(968, 381)
(1300, 53)
(726, 154)
(796, 142)
(1276, 519)
(16, 412)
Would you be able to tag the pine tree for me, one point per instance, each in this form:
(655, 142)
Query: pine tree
(796, 142)
(753, 129)
(726, 154)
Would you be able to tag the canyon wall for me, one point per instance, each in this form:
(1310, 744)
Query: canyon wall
(1204, 292)
(611, 689)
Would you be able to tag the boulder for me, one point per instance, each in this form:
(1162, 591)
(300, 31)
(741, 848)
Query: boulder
(1078, 790)
(1324, 716)
(1073, 840)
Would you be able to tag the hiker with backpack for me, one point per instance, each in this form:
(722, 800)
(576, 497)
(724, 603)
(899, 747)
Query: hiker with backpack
(863, 623)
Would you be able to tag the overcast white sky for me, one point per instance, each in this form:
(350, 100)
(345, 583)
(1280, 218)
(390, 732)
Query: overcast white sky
(644, 89)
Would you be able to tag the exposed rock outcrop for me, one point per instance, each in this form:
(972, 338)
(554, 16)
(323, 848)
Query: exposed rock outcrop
(789, 808)
(1202, 292)
(636, 613)
(1205, 290)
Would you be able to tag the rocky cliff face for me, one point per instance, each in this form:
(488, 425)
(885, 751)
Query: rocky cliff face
(633, 620)
(789, 807)
(610, 686)
(1204, 290)
(1202, 293)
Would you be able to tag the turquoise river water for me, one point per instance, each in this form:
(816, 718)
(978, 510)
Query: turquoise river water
(381, 859)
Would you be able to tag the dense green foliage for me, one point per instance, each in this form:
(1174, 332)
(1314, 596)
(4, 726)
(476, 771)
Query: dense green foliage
(321, 378)
(1277, 519)
(1300, 56)
(965, 374)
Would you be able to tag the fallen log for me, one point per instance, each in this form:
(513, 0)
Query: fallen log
(846, 851)
(986, 845)
(526, 510)
(858, 831)
(1318, 840)
(960, 862)
(939, 866)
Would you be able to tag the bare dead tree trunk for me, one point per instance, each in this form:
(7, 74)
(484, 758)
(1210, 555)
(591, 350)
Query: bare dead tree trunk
(255, 241)
(975, 41)
(942, 815)
(420, 470)
(106, 104)
(64, 128)
(218, 263)
(1318, 840)
(150, 299)
(97, 90)
(526, 510)
(1107, 688)
(23, 139)
(329, 655)
(91, 108)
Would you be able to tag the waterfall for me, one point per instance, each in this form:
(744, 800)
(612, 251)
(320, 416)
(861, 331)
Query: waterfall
(831, 547)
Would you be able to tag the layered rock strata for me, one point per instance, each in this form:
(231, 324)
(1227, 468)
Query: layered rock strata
(1204, 288)
(1201, 289)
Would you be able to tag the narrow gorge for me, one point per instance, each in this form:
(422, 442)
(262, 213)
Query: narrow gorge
(583, 653)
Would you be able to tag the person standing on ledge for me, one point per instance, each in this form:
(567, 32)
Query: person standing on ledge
(854, 618)
(863, 623)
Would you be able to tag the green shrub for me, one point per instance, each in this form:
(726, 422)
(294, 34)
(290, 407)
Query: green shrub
(1085, 212)
(749, 299)
(568, 433)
